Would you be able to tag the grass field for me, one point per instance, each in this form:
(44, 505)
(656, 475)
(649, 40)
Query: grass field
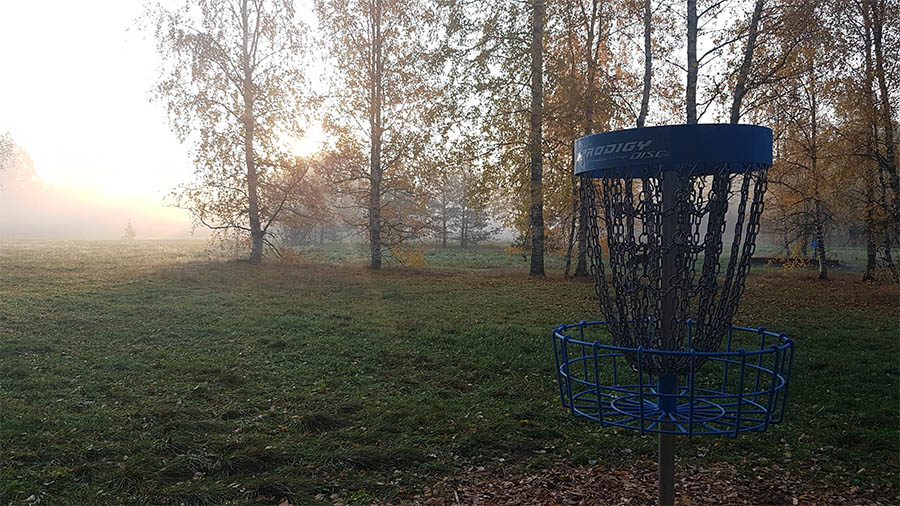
(161, 373)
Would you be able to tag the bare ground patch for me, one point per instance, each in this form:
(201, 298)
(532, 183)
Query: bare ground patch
(718, 483)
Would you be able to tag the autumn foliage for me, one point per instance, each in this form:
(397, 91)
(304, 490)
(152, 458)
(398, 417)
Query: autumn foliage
(451, 120)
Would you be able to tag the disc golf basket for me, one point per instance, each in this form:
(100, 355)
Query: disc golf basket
(666, 357)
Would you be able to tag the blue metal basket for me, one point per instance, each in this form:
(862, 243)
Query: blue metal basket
(675, 363)
(742, 388)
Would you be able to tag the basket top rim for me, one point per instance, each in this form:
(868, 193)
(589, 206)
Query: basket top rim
(786, 343)
(700, 149)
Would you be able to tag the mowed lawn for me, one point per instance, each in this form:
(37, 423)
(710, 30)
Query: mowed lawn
(158, 373)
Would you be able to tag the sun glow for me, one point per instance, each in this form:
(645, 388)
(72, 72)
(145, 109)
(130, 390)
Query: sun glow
(312, 142)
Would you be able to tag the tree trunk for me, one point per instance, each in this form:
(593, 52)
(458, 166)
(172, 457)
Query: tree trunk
(444, 218)
(575, 216)
(376, 127)
(818, 213)
(256, 232)
(871, 147)
(692, 67)
(871, 240)
(648, 65)
(889, 260)
(464, 214)
(571, 241)
(886, 232)
(784, 239)
(887, 126)
(581, 270)
(740, 86)
(820, 239)
(535, 140)
(464, 227)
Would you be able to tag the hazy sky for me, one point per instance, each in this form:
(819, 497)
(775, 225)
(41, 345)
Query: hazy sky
(75, 96)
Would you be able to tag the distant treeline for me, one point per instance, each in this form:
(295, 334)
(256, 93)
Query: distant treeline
(449, 119)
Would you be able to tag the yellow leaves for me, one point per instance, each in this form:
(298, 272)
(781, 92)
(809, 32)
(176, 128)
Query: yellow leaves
(290, 256)
(513, 251)
(411, 256)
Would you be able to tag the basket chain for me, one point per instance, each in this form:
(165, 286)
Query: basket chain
(629, 283)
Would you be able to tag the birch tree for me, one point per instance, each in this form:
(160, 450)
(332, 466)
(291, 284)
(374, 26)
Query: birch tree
(580, 98)
(535, 140)
(379, 107)
(7, 150)
(881, 19)
(499, 49)
(862, 137)
(803, 178)
(233, 83)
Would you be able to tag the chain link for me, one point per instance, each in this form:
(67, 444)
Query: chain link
(628, 281)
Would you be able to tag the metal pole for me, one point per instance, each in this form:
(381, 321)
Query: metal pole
(667, 383)
(667, 446)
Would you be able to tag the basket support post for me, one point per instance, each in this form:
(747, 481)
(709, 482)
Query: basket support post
(667, 383)
(667, 404)
(667, 469)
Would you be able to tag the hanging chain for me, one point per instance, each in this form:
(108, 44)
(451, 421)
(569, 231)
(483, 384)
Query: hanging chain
(628, 281)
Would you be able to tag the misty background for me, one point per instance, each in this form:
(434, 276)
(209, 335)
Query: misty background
(94, 152)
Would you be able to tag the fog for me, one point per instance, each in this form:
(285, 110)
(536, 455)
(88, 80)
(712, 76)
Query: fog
(33, 209)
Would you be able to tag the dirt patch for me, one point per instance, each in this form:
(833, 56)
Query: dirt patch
(716, 484)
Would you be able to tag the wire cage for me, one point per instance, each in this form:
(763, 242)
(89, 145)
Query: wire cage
(742, 388)
(673, 213)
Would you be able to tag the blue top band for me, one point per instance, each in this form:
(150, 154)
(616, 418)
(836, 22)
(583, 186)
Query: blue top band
(691, 149)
